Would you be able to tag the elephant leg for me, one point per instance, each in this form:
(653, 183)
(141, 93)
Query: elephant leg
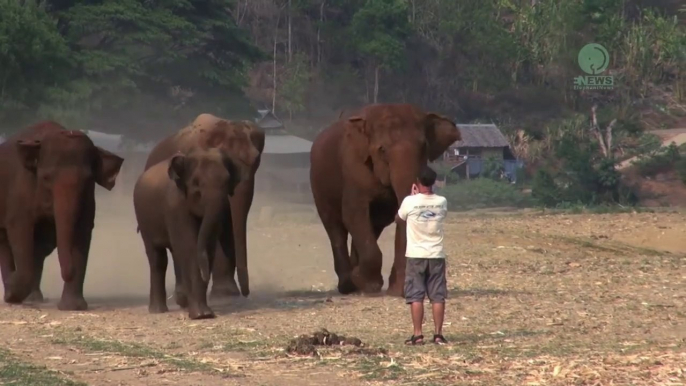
(6, 259)
(45, 246)
(184, 241)
(223, 282)
(225, 260)
(338, 236)
(354, 256)
(157, 259)
(20, 237)
(223, 273)
(180, 293)
(396, 280)
(367, 274)
(72, 292)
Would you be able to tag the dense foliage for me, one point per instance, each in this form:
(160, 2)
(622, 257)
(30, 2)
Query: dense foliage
(144, 67)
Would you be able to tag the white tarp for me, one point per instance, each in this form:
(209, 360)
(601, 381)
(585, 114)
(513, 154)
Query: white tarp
(109, 142)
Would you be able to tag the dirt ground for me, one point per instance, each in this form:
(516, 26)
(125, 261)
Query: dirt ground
(534, 299)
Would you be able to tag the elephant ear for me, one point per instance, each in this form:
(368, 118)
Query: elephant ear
(257, 137)
(28, 153)
(108, 168)
(357, 138)
(441, 132)
(177, 171)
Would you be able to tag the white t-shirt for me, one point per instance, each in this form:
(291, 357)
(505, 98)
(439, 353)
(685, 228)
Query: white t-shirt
(424, 215)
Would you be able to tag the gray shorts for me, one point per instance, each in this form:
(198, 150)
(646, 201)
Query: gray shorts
(425, 277)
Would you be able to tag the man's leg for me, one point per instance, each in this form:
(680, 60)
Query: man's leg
(417, 310)
(415, 291)
(437, 288)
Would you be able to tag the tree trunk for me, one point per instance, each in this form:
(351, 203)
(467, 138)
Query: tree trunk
(319, 33)
(376, 84)
(290, 40)
(274, 76)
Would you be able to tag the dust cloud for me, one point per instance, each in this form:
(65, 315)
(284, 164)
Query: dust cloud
(288, 250)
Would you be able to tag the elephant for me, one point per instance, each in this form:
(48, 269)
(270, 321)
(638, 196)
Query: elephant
(47, 201)
(181, 205)
(243, 142)
(362, 167)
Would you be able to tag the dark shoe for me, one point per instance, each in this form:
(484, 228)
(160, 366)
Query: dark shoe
(439, 339)
(415, 340)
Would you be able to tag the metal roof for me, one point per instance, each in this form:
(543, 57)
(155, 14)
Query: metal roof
(480, 135)
(286, 144)
(109, 142)
(267, 120)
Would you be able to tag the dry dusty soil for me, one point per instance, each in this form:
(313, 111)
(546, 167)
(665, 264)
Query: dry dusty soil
(535, 299)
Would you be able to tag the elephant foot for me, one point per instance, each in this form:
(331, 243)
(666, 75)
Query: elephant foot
(346, 287)
(36, 296)
(15, 293)
(181, 298)
(15, 297)
(72, 303)
(200, 312)
(366, 286)
(224, 291)
(396, 289)
(158, 308)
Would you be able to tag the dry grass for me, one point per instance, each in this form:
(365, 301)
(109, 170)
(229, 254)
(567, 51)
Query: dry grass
(535, 299)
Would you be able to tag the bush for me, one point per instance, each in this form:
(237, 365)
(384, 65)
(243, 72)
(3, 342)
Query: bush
(680, 168)
(544, 190)
(659, 162)
(484, 193)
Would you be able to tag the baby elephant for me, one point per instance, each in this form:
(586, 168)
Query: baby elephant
(181, 204)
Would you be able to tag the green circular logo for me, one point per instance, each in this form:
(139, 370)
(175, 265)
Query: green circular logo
(593, 59)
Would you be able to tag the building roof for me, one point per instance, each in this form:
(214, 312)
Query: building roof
(481, 135)
(285, 144)
(267, 120)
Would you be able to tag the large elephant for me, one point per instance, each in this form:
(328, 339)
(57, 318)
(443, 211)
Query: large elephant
(181, 205)
(243, 142)
(362, 168)
(47, 200)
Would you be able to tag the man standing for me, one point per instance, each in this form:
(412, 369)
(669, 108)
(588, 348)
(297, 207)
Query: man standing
(424, 212)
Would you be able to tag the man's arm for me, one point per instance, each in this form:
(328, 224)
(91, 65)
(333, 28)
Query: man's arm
(403, 211)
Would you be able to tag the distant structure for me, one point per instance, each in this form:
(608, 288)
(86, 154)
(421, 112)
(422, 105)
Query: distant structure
(285, 164)
(479, 143)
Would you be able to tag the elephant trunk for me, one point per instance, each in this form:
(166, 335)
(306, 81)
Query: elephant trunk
(401, 181)
(66, 196)
(241, 257)
(207, 236)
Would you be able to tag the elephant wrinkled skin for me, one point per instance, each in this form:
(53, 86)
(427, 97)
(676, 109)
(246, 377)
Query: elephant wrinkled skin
(47, 201)
(243, 143)
(181, 205)
(362, 167)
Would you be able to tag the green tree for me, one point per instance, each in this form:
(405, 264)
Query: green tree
(380, 29)
(34, 60)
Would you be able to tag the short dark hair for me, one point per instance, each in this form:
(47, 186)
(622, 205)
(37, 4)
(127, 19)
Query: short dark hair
(427, 176)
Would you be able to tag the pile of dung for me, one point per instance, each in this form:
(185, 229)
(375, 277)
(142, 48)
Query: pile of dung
(306, 344)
